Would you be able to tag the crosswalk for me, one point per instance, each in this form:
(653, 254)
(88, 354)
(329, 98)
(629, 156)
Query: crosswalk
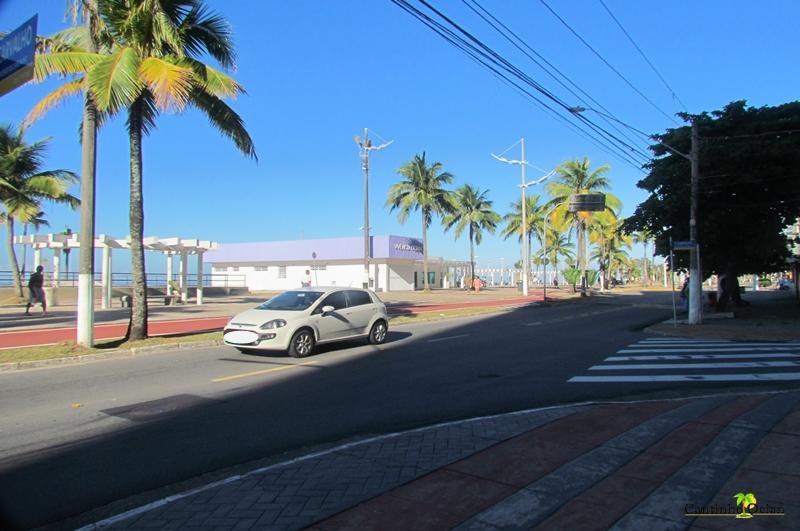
(666, 359)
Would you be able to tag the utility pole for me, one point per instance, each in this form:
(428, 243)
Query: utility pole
(695, 286)
(365, 147)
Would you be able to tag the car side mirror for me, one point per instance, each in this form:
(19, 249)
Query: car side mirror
(328, 309)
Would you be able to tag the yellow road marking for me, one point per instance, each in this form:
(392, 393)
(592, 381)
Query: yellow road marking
(265, 371)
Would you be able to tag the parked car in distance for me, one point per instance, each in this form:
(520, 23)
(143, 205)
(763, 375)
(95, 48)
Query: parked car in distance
(298, 319)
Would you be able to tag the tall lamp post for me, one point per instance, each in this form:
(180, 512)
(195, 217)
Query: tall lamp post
(695, 286)
(524, 207)
(365, 146)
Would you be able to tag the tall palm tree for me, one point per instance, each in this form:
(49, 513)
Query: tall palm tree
(575, 177)
(558, 245)
(472, 210)
(24, 185)
(422, 189)
(38, 221)
(534, 218)
(643, 237)
(154, 66)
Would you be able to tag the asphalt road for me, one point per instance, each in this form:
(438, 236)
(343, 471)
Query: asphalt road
(76, 438)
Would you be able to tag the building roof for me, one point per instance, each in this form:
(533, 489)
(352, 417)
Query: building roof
(329, 249)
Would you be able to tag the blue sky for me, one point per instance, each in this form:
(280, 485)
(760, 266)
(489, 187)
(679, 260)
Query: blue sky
(318, 72)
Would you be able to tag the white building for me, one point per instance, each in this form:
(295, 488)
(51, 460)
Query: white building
(395, 264)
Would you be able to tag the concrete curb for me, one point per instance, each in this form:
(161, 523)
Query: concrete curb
(111, 354)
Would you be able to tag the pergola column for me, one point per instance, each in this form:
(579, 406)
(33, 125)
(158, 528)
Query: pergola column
(37, 256)
(199, 277)
(105, 300)
(184, 284)
(169, 272)
(56, 266)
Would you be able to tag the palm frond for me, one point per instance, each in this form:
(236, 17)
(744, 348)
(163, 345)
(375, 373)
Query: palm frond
(114, 80)
(169, 83)
(64, 63)
(225, 120)
(55, 98)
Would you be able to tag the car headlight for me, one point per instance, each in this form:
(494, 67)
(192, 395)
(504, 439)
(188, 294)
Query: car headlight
(271, 325)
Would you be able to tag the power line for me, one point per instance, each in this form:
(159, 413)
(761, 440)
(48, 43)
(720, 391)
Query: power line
(609, 65)
(519, 43)
(619, 24)
(488, 58)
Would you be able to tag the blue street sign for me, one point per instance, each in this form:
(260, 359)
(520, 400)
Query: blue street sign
(17, 51)
(684, 245)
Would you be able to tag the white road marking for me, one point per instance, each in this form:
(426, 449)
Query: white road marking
(763, 377)
(660, 366)
(726, 344)
(668, 357)
(447, 338)
(537, 323)
(718, 349)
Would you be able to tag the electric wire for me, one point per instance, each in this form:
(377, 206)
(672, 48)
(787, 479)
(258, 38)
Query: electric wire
(495, 66)
(609, 65)
(527, 50)
(641, 52)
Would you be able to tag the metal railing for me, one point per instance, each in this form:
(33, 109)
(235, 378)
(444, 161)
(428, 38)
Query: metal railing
(70, 279)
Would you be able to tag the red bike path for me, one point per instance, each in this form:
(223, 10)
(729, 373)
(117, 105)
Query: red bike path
(47, 336)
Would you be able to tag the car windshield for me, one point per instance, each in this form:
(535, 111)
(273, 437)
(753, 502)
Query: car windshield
(291, 300)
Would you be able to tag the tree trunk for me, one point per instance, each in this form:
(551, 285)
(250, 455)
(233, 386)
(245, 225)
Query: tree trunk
(138, 323)
(24, 250)
(471, 256)
(12, 255)
(582, 253)
(85, 328)
(646, 279)
(425, 251)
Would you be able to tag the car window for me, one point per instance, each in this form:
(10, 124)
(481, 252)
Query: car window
(291, 300)
(358, 298)
(336, 299)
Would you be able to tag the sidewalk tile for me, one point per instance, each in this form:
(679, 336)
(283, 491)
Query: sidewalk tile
(648, 466)
(388, 513)
(777, 453)
(790, 425)
(686, 440)
(726, 413)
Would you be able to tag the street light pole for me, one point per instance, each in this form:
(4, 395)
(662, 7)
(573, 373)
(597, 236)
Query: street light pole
(524, 207)
(366, 146)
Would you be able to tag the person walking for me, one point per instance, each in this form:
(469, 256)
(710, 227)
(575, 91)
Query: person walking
(36, 291)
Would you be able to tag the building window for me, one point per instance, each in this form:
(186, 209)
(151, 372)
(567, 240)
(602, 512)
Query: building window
(281, 271)
(319, 267)
(262, 268)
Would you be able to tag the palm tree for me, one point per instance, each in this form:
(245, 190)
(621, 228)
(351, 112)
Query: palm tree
(36, 222)
(643, 237)
(558, 245)
(24, 185)
(153, 66)
(422, 189)
(575, 177)
(534, 218)
(471, 209)
(745, 500)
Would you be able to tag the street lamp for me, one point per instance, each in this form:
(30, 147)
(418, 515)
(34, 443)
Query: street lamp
(524, 207)
(695, 286)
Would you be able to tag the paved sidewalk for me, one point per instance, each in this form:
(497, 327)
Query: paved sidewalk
(640, 465)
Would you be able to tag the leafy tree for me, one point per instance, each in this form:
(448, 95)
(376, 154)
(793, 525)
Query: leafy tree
(558, 245)
(749, 189)
(24, 185)
(571, 276)
(605, 231)
(745, 500)
(576, 177)
(423, 190)
(471, 210)
(643, 237)
(154, 66)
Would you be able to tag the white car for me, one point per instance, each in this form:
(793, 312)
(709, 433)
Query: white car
(297, 320)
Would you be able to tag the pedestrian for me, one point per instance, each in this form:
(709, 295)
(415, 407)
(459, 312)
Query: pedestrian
(306, 283)
(685, 293)
(36, 291)
(476, 284)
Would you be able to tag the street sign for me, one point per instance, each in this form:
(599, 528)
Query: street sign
(17, 51)
(684, 245)
(587, 202)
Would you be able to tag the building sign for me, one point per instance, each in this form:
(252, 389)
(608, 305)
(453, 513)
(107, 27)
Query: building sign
(400, 247)
(17, 50)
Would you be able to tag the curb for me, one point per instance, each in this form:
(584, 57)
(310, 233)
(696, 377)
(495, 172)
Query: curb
(111, 354)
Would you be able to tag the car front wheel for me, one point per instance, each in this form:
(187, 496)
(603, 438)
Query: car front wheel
(378, 333)
(302, 344)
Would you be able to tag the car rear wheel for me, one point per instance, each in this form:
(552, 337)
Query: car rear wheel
(302, 344)
(377, 334)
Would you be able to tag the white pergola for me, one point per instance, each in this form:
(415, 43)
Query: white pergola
(171, 247)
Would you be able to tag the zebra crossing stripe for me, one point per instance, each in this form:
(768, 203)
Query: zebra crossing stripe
(661, 366)
(761, 377)
(717, 349)
(678, 357)
(718, 344)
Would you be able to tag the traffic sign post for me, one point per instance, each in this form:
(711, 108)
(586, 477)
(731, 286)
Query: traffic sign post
(17, 51)
(684, 245)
